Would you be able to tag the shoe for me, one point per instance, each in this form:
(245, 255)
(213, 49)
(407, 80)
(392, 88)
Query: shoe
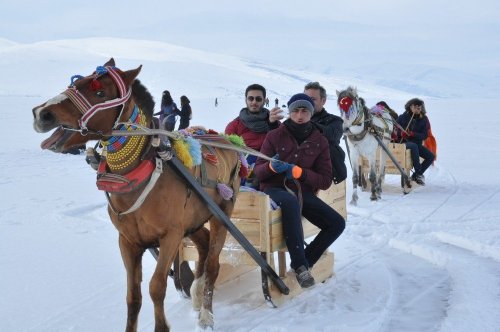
(304, 277)
(418, 178)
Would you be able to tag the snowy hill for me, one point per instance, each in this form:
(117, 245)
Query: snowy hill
(426, 261)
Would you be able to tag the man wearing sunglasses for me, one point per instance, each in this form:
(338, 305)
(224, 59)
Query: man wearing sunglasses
(254, 120)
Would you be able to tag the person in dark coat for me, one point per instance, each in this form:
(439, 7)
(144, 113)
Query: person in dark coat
(331, 126)
(302, 159)
(185, 113)
(168, 111)
(416, 127)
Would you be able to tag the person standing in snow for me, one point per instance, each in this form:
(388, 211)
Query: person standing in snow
(168, 111)
(416, 127)
(304, 163)
(185, 113)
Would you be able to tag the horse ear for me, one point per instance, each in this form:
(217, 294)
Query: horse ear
(110, 63)
(337, 92)
(130, 75)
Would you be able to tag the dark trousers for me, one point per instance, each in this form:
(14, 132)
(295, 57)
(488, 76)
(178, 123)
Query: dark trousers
(418, 151)
(320, 214)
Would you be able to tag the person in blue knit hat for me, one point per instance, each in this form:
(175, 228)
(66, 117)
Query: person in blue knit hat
(301, 161)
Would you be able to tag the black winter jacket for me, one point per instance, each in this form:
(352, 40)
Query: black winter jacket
(419, 125)
(330, 126)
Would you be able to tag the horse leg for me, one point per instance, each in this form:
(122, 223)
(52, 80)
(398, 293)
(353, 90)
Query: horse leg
(381, 176)
(373, 181)
(217, 238)
(355, 177)
(201, 239)
(169, 245)
(132, 259)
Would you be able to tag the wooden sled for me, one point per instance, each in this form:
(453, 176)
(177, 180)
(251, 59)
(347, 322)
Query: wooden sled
(261, 225)
(402, 156)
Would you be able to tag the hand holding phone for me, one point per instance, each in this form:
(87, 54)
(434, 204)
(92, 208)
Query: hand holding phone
(276, 114)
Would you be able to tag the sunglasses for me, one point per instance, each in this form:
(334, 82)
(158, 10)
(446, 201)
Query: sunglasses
(257, 99)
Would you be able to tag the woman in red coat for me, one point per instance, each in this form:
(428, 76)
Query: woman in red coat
(304, 160)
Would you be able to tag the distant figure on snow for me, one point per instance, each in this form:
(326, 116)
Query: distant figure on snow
(185, 113)
(216, 102)
(168, 111)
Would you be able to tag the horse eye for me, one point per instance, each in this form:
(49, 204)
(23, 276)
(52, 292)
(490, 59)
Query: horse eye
(100, 94)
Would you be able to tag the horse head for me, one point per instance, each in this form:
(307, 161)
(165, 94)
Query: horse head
(350, 105)
(89, 107)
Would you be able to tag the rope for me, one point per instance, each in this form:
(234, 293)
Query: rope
(145, 131)
(406, 129)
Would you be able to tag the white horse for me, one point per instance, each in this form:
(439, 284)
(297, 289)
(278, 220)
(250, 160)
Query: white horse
(360, 126)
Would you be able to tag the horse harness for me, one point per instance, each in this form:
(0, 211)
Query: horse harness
(365, 119)
(147, 173)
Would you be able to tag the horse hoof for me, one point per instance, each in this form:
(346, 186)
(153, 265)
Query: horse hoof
(205, 321)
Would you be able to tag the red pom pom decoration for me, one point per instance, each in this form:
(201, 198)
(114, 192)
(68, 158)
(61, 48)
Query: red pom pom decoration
(95, 85)
(345, 103)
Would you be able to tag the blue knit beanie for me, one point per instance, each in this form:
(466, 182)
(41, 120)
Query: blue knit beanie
(301, 100)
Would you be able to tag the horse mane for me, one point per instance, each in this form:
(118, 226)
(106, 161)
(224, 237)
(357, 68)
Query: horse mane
(350, 91)
(363, 103)
(143, 98)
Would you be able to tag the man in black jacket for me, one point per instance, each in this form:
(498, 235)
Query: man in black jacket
(331, 127)
(416, 124)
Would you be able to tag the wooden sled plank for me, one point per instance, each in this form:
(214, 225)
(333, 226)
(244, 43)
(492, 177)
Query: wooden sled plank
(321, 271)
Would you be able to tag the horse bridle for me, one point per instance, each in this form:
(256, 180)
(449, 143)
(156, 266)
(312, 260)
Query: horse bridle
(358, 121)
(87, 109)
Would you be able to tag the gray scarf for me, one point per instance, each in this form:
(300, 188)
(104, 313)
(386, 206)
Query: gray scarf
(256, 122)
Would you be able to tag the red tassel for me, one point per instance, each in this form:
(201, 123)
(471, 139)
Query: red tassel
(243, 172)
(211, 158)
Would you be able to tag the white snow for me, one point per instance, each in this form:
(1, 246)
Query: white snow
(426, 261)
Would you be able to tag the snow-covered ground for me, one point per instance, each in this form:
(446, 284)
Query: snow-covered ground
(426, 261)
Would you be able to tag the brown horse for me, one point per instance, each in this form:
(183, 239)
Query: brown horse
(90, 109)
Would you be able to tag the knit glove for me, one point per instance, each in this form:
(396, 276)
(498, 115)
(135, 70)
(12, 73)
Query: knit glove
(292, 171)
(394, 136)
(278, 166)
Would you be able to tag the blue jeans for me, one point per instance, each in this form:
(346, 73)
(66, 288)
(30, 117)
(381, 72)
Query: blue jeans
(320, 214)
(418, 151)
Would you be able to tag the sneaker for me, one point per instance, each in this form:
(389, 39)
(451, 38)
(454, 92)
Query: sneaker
(304, 277)
(418, 178)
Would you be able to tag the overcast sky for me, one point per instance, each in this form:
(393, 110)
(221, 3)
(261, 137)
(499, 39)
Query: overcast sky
(329, 36)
